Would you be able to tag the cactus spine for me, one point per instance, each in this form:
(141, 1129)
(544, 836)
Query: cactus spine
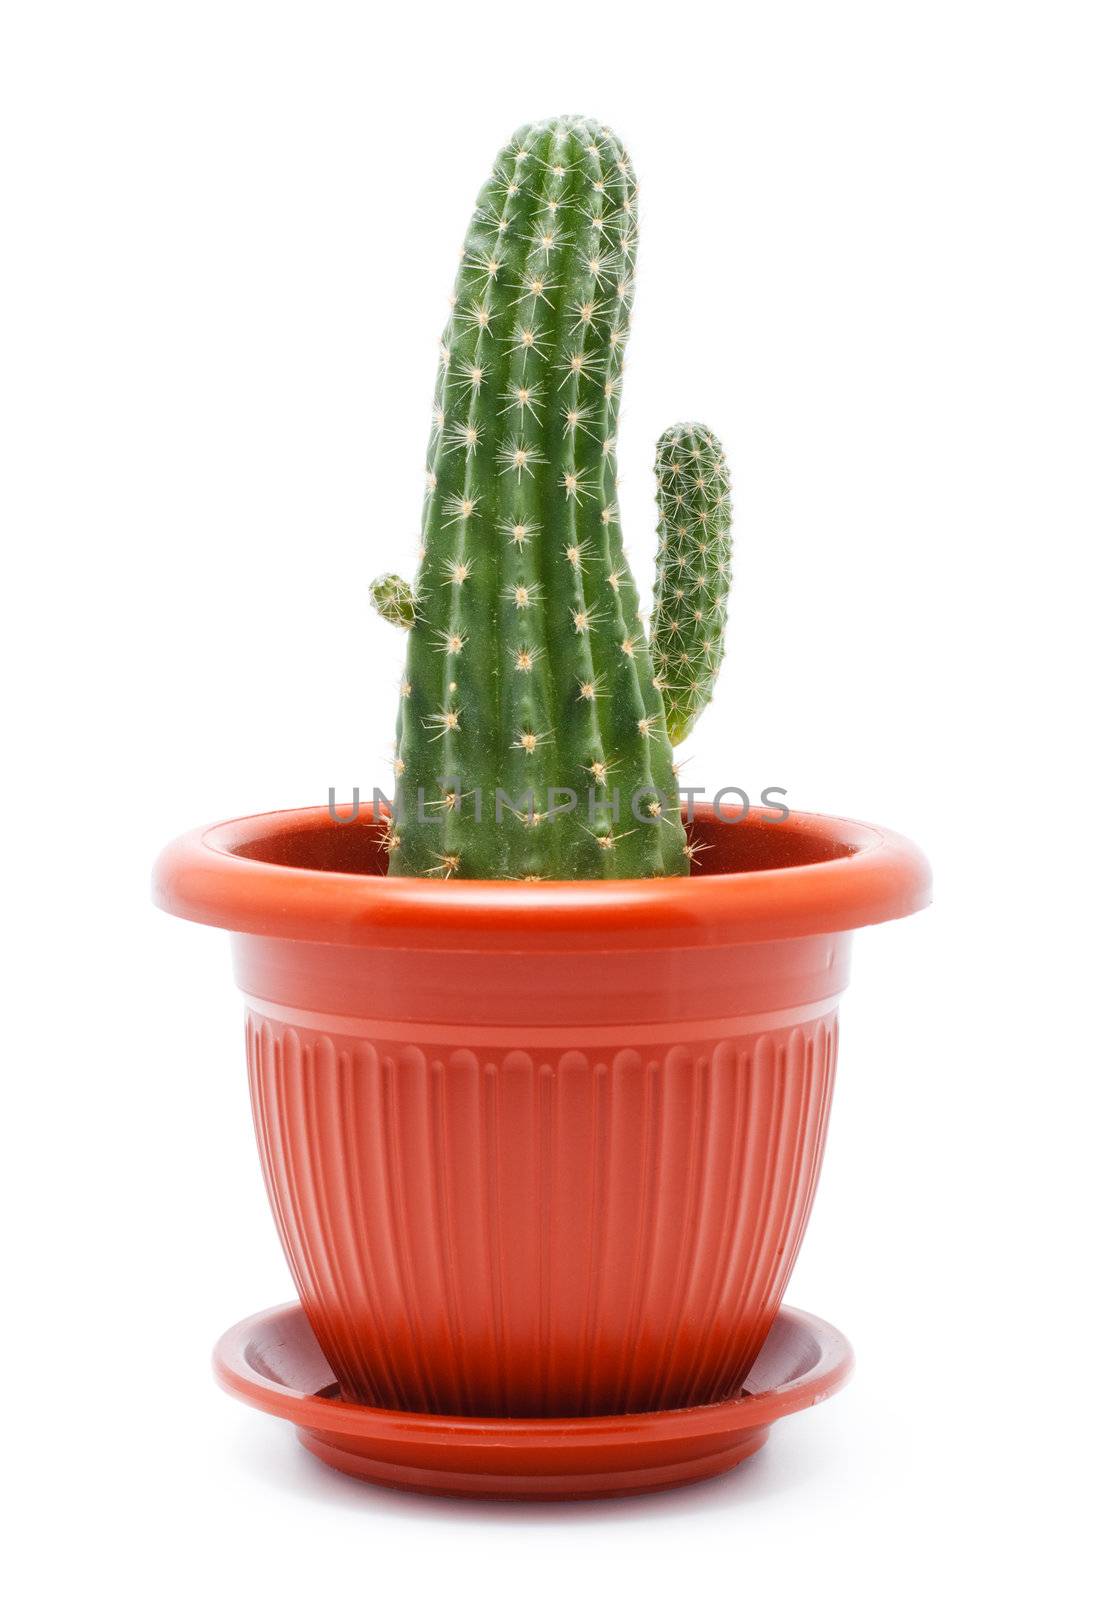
(692, 571)
(528, 672)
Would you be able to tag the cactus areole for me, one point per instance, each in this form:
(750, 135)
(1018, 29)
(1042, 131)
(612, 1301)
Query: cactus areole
(535, 730)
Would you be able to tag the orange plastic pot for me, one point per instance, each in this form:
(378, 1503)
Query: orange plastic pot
(541, 1149)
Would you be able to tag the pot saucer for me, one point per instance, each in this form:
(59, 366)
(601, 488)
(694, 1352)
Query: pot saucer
(272, 1361)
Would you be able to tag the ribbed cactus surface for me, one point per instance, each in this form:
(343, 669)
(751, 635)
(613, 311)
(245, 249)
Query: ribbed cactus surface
(692, 571)
(529, 688)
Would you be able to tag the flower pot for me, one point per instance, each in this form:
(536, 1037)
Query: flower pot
(541, 1149)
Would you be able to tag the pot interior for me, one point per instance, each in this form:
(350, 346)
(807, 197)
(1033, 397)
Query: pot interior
(758, 842)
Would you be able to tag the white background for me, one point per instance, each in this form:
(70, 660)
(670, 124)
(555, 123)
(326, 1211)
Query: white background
(874, 257)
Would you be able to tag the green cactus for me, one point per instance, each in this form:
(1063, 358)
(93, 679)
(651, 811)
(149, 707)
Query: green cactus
(531, 737)
(394, 600)
(692, 571)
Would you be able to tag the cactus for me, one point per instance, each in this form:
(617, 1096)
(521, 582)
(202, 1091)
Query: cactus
(394, 600)
(531, 737)
(692, 571)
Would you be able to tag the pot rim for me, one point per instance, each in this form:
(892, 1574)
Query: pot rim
(857, 875)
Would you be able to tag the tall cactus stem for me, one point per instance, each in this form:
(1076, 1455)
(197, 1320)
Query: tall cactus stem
(528, 671)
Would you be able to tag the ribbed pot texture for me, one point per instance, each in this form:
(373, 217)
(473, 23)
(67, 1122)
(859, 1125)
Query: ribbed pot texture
(540, 1151)
(528, 1230)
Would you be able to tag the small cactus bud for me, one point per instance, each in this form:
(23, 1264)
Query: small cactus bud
(394, 600)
